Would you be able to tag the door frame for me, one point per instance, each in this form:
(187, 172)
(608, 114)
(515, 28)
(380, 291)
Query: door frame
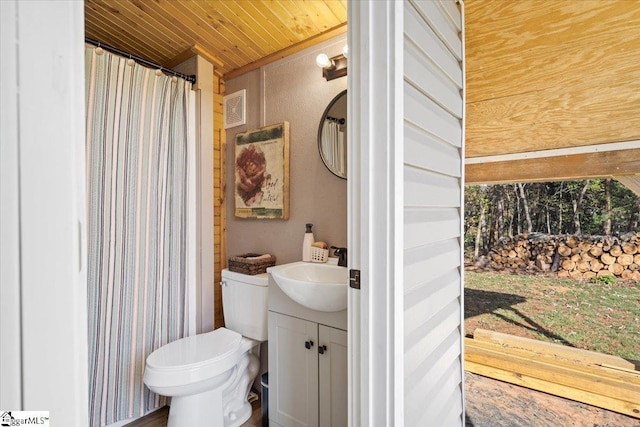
(375, 203)
(376, 212)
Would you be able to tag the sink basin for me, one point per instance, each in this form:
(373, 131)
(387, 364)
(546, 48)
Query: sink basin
(321, 287)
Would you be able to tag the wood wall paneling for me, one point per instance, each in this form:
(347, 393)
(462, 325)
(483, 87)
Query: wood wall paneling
(218, 197)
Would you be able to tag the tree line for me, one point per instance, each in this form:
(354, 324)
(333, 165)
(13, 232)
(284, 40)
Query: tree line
(594, 207)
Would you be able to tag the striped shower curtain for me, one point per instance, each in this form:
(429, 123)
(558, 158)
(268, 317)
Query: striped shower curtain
(137, 185)
(334, 146)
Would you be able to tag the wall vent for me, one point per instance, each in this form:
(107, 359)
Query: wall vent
(235, 109)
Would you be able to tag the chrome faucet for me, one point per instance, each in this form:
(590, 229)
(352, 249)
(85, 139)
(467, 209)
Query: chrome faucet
(341, 253)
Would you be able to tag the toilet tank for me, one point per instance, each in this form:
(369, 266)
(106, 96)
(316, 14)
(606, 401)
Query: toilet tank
(244, 299)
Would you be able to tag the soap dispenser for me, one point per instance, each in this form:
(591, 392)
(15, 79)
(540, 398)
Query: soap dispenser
(307, 243)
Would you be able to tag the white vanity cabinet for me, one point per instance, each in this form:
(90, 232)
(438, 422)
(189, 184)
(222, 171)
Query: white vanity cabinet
(307, 373)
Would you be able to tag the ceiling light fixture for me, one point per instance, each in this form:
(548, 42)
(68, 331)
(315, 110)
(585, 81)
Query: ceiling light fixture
(333, 67)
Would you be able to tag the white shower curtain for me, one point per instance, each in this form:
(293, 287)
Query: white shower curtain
(334, 147)
(137, 185)
(342, 151)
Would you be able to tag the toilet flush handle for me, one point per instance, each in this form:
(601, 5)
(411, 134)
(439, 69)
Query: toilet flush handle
(223, 283)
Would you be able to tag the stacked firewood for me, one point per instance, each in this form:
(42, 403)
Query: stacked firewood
(569, 255)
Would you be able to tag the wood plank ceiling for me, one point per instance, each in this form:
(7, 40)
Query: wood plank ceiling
(549, 74)
(233, 34)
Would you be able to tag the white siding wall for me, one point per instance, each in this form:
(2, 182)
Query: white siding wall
(433, 183)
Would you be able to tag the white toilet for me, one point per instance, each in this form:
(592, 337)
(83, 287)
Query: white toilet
(208, 376)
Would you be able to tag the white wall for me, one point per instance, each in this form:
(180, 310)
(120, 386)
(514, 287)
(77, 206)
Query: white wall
(43, 137)
(10, 350)
(203, 216)
(433, 183)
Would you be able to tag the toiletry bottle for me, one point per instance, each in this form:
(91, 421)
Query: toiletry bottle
(306, 244)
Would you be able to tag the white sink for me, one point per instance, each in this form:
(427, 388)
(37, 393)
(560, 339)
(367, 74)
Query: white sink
(321, 287)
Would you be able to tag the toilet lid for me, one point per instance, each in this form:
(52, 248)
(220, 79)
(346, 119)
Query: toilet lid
(210, 347)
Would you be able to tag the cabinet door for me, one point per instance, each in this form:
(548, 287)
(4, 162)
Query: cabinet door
(293, 371)
(333, 377)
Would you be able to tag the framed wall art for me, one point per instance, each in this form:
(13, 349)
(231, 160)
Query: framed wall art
(262, 173)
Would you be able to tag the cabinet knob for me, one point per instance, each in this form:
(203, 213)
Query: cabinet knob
(308, 344)
(322, 349)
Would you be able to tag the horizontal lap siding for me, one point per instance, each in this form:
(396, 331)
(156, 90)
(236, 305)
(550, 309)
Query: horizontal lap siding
(425, 77)
(442, 23)
(425, 151)
(444, 375)
(428, 339)
(430, 189)
(426, 114)
(423, 35)
(450, 414)
(433, 109)
(450, 380)
(425, 299)
(425, 225)
(430, 261)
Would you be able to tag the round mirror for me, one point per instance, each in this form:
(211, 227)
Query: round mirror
(332, 135)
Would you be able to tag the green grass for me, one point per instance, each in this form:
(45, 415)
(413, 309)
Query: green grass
(593, 316)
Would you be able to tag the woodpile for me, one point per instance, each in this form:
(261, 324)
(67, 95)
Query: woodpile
(568, 255)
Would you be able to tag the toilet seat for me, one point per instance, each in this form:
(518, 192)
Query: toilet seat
(196, 358)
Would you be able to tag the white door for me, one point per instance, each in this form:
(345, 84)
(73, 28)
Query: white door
(406, 119)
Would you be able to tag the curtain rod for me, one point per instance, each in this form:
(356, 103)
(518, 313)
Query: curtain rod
(334, 119)
(191, 78)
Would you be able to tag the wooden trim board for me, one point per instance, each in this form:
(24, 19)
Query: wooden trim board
(557, 152)
(577, 166)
